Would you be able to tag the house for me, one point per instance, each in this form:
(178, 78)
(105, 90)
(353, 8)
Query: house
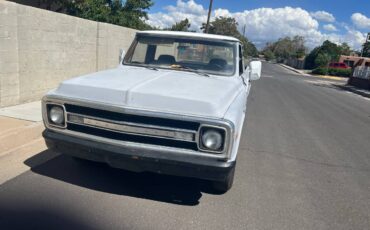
(354, 61)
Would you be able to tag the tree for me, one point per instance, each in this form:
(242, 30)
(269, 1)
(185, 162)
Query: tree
(332, 49)
(269, 55)
(229, 27)
(54, 5)
(345, 49)
(130, 14)
(310, 58)
(299, 49)
(250, 49)
(183, 25)
(287, 48)
(322, 60)
(328, 48)
(96, 10)
(366, 50)
(133, 13)
(223, 26)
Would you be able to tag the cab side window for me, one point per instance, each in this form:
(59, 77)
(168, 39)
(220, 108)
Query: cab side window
(241, 61)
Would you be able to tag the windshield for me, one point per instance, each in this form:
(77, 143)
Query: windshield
(200, 56)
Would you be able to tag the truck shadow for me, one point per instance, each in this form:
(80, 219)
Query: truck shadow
(101, 177)
(25, 216)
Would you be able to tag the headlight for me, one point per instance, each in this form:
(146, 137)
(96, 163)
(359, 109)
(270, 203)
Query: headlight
(56, 115)
(212, 139)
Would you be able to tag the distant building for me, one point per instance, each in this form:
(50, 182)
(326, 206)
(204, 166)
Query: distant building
(354, 61)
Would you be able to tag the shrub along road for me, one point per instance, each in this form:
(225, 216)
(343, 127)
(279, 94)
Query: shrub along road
(304, 163)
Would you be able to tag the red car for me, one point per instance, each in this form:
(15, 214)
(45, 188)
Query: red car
(338, 65)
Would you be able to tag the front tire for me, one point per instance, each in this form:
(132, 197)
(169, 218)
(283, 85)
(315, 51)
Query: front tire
(225, 185)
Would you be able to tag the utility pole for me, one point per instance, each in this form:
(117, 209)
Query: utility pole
(209, 15)
(244, 27)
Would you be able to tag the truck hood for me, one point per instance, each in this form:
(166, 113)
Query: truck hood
(169, 91)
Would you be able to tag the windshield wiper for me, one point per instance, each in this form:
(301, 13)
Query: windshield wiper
(149, 67)
(193, 70)
(201, 73)
(145, 66)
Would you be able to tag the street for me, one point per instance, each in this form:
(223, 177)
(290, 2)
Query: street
(303, 163)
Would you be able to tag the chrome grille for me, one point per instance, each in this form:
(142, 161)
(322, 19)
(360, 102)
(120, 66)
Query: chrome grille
(131, 127)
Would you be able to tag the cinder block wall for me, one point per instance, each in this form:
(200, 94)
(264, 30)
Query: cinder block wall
(39, 49)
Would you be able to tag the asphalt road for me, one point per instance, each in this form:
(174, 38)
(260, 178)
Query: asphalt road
(304, 163)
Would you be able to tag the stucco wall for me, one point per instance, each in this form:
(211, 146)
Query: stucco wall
(39, 49)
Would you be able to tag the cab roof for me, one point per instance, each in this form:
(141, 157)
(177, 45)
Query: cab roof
(189, 35)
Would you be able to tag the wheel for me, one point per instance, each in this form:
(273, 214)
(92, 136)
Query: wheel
(224, 186)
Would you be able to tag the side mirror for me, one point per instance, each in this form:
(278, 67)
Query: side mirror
(255, 68)
(122, 54)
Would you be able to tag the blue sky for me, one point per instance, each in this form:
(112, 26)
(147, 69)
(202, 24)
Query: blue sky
(267, 20)
(341, 9)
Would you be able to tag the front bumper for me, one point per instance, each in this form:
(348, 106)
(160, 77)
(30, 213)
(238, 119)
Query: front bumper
(139, 159)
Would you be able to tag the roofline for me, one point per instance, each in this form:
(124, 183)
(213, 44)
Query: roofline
(214, 37)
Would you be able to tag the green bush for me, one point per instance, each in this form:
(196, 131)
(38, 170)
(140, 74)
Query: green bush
(333, 72)
(340, 72)
(320, 71)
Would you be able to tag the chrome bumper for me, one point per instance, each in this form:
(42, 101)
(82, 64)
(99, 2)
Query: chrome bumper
(141, 158)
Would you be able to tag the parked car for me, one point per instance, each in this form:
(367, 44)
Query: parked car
(160, 110)
(339, 65)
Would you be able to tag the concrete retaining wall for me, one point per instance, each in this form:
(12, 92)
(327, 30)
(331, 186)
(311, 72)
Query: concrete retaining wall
(360, 77)
(39, 49)
(362, 72)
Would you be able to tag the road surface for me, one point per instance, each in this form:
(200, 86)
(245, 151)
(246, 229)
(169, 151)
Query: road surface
(304, 163)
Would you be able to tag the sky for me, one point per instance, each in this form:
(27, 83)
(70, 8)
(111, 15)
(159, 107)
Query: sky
(268, 20)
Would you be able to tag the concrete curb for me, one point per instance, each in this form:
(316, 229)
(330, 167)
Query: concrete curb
(294, 70)
(331, 77)
(290, 68)
(355, 90)
(311, 75)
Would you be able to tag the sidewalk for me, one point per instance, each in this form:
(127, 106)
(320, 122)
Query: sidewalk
(295, 70)
(28, 111)
(361, 92)
(20, 139)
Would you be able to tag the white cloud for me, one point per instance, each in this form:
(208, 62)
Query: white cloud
(330, 27)
(323, 16)
(360, 21)
(266, 24)
(354, 38)
(189, 7)
(262, 24)
(190, 10)
(222, 13)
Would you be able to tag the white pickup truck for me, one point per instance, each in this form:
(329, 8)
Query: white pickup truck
(175, 105)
